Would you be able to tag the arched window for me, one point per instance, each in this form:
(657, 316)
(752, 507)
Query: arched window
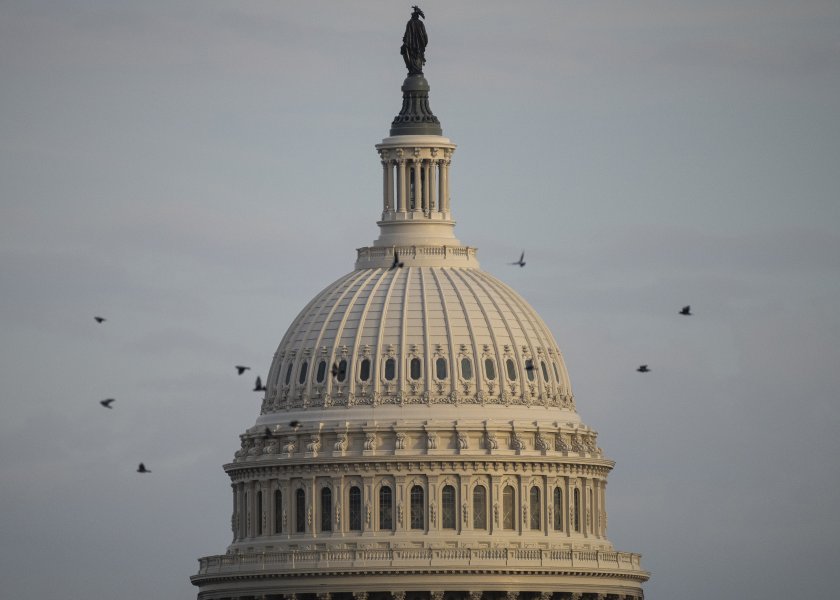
(278, 511)
(300, 511)
(354, 506)
(576, 522)
(544, 371)
(326, 509)
(480, 507)
(529, 369)
(341, 371)
(535, 510)
(508, 508)
(302, 375)
(418, 508)
(447, 507)
(466, 368)
(490, 369)
(558, 509)
(390, 369)
(511, 369)
(259, 514)
(288, 374)
(415, 369)
(322, 372)
(440, 368)
(386, 508)
(364, 369)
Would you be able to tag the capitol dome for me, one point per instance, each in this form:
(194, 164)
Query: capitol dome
(418, 438)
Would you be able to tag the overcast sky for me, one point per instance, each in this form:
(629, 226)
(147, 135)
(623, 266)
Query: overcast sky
(196, 171)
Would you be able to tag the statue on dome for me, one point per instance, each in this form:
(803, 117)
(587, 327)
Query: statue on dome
(414, 43)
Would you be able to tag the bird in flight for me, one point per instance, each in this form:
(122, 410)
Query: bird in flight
(334, 370)
(686, 310)
(258, 385)
(396, 264)
(142, 469)
(643, 369)
(268, 432)
(521, 261)
(529, 365)
(241, 369)
(100, 319)
(107, 402)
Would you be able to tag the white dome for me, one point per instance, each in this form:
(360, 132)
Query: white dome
(417, 336)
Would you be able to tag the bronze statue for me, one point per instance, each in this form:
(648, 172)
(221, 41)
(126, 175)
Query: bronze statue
(414, 43)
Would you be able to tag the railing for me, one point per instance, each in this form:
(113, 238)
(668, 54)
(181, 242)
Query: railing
(401, 558)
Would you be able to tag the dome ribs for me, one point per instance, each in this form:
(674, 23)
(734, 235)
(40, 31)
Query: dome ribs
(479, 385)
(450, 334)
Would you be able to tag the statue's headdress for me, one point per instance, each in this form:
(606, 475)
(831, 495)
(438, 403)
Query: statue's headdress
(418, 11)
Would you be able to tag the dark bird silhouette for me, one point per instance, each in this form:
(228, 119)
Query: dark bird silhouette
(643, 369)
(268, 432)
(521, 261)
(241, 369)
(294, 423)
(258, 385)
(100, 319)
(396, 264)
(686, 310)
(107, 402)
(529, 366)
(334, 370)
(142, 469)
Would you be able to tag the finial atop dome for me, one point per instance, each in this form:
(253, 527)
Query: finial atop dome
(416, 117)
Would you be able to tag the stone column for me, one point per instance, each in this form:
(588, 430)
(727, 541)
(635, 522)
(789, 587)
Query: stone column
(388, 186)
(360, 595)
(397, 595)
(418, 186)
(475, 595)
(433, 190)
(401, 186)
(427, 207)
(444, 186)
(436, 595)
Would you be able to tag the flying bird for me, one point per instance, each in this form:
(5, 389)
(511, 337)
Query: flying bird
(100, 319)
(142, 469)
(258, 385)
(643, 369)
(686, 310)
(521, 261)
(334, 370)
(107, 402)
(241, 369)
(529, 366)
(268, 432)
(396, 264)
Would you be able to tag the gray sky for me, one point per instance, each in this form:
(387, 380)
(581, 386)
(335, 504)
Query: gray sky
(197, 171)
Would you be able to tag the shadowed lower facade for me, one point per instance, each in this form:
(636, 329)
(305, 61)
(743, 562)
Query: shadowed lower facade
(419, 438)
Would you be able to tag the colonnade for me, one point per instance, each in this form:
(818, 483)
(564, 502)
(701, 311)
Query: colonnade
(440, 595)
(293, 506)
(415, 185)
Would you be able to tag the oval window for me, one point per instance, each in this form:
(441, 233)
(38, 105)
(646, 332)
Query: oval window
(341, 374)
(556, 373)
(544, 371)
(490, 368)
(288, 374)
(529, 369)
(302, 375)
(414, 368)
(364, 370)
(322, 371)
(390, 369)
(511, 370)
(440, 368)
(466, 368)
